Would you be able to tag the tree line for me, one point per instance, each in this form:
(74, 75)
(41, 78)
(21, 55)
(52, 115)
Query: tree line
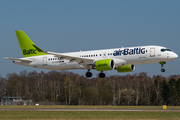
(73, 89)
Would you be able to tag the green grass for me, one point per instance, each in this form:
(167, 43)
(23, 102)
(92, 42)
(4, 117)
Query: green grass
(82, 107)
(93, 115)
(90, 115)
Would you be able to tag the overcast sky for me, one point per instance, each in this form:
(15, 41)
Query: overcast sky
(73, 25)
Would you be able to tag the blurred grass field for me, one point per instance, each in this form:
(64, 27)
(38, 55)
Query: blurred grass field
(85, 107)
(88, 115)
(92, 115)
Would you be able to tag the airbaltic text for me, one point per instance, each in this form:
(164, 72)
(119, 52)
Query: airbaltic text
(30, 51)
(127, 51)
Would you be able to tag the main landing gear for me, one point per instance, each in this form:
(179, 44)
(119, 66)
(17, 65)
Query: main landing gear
(89, 74)
(102, 75)
(162, 64)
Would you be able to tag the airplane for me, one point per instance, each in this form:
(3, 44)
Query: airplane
(121, 59)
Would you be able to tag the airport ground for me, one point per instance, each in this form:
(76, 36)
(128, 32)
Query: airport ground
(62, 112)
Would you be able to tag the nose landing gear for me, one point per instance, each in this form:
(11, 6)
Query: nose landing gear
(162, 70)
(162, 64)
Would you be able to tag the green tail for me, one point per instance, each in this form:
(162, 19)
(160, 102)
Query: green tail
(28, 48)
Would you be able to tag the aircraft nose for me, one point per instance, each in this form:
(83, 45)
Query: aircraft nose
(173, 56)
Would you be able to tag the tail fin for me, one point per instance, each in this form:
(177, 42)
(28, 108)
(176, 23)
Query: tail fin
(28, 48)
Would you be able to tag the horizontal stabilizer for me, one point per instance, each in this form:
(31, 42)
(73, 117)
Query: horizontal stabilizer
(19, 59)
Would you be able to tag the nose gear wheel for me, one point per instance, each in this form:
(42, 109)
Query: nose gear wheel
(162, 70)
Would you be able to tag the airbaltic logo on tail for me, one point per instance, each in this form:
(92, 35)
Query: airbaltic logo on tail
(129, 51)
(30, 51)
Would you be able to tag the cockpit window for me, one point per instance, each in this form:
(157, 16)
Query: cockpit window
(168, 49)
(163, 50)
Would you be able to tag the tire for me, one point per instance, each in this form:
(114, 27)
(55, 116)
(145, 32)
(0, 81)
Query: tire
(102, 75)
(88, 74)
(162, 70)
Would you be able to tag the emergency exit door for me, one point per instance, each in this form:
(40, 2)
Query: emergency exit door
(152, 52)
(104, 54)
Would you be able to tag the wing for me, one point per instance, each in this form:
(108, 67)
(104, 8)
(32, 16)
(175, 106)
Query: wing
(25, 60)
(83, 61)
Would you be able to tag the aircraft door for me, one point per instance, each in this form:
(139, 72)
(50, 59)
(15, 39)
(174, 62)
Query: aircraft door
(104, 54)
(44, 61)
(167, 55)
(152, 52)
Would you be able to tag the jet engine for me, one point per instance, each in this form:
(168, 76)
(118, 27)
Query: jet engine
(126, 68)
(104, 65)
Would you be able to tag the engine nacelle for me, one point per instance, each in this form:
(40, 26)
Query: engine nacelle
(104, 65)
(126, 68)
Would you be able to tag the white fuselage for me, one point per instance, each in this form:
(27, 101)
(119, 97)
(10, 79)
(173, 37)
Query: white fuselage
(121, 56)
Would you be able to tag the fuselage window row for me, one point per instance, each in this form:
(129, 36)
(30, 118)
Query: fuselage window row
(95, 55)
(49, 59)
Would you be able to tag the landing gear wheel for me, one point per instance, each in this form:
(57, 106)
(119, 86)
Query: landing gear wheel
(88, 74)
(162, 64)
(162, 70)
(102, 75)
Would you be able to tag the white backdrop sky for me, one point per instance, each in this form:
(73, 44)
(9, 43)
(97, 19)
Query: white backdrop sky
(73, 25)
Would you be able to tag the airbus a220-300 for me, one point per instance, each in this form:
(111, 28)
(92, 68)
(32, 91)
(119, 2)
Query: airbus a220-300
(120, 59)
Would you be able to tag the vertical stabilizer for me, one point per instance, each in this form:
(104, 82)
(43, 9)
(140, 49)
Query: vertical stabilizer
(28, 48)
